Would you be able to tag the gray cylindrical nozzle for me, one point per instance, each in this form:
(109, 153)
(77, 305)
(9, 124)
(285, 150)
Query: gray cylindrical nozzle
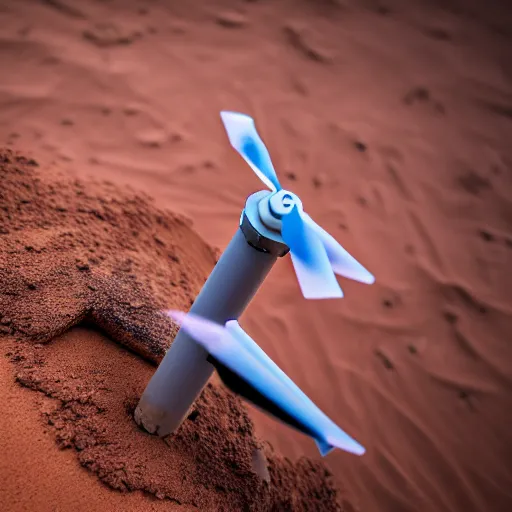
(184, 370)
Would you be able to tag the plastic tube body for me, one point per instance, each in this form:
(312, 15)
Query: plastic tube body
(184, 370)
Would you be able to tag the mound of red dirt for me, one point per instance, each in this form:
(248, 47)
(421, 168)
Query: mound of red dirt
(80, 260)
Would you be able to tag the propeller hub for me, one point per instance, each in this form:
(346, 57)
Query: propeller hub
(282, 202)
(277, 205)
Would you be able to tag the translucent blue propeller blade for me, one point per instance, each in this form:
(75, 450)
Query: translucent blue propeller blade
(244, 138)
(237, 351)
(312, 266)
(342, 262)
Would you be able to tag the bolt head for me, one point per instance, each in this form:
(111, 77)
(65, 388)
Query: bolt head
(282, 202)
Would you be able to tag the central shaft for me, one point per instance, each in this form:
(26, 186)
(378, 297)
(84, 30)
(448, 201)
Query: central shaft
(184, 370)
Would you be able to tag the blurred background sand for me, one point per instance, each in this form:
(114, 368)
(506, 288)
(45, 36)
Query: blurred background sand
(392, 121)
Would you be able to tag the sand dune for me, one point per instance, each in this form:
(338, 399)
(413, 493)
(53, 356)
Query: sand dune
(392, 122)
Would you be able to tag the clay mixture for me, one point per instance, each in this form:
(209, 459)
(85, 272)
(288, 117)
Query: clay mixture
(391, 119)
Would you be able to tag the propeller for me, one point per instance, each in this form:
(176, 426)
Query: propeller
(316, 255)
(245, 368)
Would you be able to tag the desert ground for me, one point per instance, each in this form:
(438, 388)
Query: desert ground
(392, 121)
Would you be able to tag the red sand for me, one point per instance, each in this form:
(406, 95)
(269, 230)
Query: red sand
(85, 253)
(392, 121)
